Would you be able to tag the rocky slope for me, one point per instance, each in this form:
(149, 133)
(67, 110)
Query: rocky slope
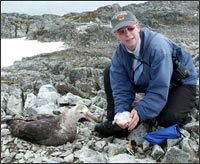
(80, 68)
(72, 28)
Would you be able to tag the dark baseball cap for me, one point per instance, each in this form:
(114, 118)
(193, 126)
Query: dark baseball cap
(123, 19)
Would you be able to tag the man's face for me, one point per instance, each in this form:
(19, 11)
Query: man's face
(129, 36)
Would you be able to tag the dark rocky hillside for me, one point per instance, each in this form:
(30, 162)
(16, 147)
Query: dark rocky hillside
(71, 27)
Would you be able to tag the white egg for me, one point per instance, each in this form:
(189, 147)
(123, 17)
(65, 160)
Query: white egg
(122, 118)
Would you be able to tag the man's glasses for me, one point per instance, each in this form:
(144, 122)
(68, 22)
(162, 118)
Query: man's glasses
(122, 30)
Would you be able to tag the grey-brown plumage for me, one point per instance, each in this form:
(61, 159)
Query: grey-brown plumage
(48, 129)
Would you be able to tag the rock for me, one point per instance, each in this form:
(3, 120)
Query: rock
(176, 155)
(157, 152)
(87, 155)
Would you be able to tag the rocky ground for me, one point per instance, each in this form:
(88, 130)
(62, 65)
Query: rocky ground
(81, 68)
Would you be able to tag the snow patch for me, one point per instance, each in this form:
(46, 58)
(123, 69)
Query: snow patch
(15, 49)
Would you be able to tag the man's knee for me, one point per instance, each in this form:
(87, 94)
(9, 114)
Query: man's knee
(106, 74)
(106, 71)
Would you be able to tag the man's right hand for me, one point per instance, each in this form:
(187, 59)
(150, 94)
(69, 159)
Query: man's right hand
(123, 126)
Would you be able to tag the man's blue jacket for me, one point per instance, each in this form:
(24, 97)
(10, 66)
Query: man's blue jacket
(155, 80)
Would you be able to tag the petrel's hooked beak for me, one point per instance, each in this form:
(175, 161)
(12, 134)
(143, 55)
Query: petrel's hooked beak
(90, 116)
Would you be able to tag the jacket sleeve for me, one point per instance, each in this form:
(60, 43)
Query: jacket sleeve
(122, 90)
(157, 92)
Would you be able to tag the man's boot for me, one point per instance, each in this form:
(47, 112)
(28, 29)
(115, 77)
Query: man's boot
(107, 129)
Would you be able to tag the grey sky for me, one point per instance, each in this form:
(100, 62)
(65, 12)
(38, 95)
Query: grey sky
(56, 7)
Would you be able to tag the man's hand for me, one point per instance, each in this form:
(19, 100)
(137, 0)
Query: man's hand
(134, 120)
